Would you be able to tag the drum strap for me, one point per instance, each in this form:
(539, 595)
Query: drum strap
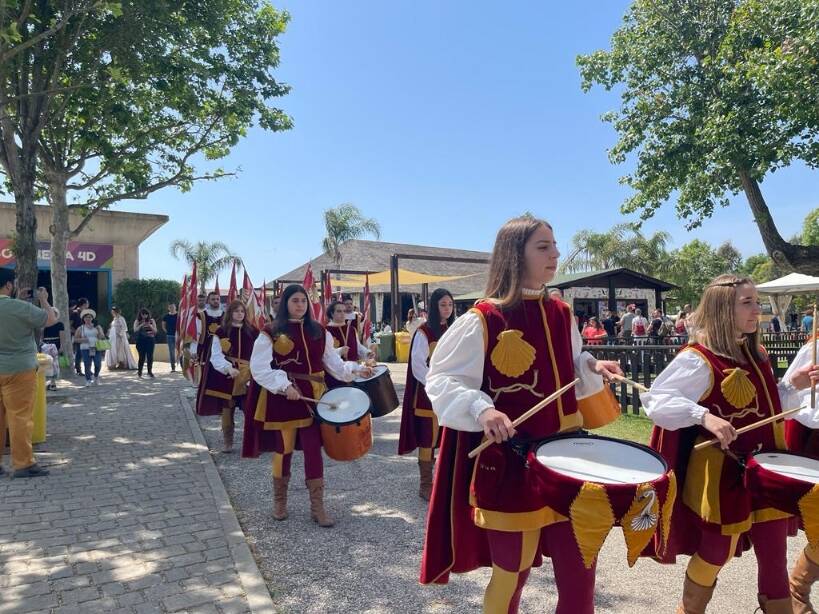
(307, 377)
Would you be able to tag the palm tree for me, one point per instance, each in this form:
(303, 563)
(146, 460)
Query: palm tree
(622, 246)
(344, 223)
(210, 258)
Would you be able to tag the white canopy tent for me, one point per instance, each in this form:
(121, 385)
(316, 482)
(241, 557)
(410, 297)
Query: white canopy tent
(780, 291)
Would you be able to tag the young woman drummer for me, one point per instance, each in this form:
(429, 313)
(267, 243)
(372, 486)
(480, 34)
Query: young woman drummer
(226, 374)
(288, 364)
(419, 426)
(722, 381)
(345, 339)
(495, 362)
(803, 440)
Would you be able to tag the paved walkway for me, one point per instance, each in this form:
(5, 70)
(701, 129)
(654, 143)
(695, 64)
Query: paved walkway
(133, 517)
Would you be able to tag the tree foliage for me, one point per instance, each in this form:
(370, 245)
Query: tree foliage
(210, 258)
(131, 295)
(715, 94)
(344, 223)
(622, 246)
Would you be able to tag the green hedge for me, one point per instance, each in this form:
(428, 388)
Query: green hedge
(131, 295)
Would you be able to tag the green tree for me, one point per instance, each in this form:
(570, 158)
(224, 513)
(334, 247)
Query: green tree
(715, 94)
(760, 268)
(345, 223)
(36, 41)
(622, 246)
(695, 264)
(810, 228)
(131, 295)
(210, 258)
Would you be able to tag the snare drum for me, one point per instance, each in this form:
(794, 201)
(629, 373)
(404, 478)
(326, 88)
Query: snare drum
(380, 389)
(346, 428)
(788, 482)
(599, 482)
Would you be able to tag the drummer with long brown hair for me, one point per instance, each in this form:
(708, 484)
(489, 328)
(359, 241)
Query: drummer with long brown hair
(720, 382)
(803, 440)
(511, 351)
(419, 426)
(345, 339)
(288, 364)
(227, 372)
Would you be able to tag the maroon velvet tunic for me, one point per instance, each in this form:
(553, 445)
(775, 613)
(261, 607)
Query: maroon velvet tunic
(216, 390)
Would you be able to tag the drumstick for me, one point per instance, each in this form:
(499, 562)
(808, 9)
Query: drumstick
(750, 427)
(631, 382)
(317, 401)
(813, 341)
(526, 416)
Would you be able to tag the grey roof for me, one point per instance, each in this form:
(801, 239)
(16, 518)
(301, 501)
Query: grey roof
(374, 256)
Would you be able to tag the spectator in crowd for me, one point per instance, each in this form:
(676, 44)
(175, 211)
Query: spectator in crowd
(776, 325)
(657, 329)
(201, 301)
(169, 326)
(145, 331)
(593, 332)
(53, 334)
(681, 326)
(413, 322)
(639, 326)
(87, 335)
(610, 321)
(626, 323)
(76, 322)
(807, 322)
(18, 372)
(119, 356)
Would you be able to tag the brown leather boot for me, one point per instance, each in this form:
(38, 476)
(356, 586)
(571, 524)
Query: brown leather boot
(227, 434)
(280, 497)
(425, 469)
(804, 574)
(775, 606)
(317, 511)
(695, 597)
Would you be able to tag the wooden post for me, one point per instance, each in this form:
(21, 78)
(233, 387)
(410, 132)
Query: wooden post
(813, 343)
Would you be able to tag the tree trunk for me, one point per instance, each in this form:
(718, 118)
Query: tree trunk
(60, 233)
(25, 240)
(787, 256)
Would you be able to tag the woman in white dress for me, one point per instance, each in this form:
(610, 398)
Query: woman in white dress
(119, 356)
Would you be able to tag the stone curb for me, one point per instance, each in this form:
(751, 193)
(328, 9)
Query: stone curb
(258, 597)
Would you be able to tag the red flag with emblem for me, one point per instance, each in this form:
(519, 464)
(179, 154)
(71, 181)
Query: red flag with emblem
(253, 309)
(328, 294)
(313, 294)
(233, 291)
(183, 302)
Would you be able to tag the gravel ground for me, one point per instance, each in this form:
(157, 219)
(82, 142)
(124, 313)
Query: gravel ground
(369, 562)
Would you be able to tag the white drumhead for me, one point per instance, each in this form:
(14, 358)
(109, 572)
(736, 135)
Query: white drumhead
(350, 405)
(790, 465)
(377, 370)
(600, 460)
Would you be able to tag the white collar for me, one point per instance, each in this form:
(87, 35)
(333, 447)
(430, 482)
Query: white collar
(213, 314)
(532, 291)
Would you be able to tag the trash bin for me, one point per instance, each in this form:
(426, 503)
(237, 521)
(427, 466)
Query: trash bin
(38, 435)
(402, 347)
(386, 347)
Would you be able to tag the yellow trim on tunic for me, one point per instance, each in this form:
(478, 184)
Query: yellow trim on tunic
(710, 370)
(515, 522)
(779, 425)
(485, 328)
(424, 413)
(261, 412)
(567, 422)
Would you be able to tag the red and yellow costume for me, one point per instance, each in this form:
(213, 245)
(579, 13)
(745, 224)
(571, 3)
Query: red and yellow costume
(208, 322)
(490, 512)
(716, 516)
(344, 335)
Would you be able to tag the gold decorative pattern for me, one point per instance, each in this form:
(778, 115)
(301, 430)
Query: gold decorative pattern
(517, 386)
(668, 507)
(809, 510)
(512, 355)
(640, 521)
(214, 326)
(592, 520)
(283, 345)
(225, 344)
(737, 388)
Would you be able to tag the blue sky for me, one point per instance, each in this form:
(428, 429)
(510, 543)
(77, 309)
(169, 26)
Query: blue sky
(441, 120)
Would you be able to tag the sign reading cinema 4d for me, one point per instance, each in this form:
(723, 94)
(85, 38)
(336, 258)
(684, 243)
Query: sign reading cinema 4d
(87, 256)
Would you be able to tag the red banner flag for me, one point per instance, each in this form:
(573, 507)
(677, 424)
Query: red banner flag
(233, 291)
(183, 301)
(327, 294)
(253, 309)
(313, 294)
(216, 288)
(368, 323)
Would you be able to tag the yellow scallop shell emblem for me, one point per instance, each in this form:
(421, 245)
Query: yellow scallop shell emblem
(213, 327)
(336, 343)
(512, 355)
(225, 343)
(737, 389)
(283, 345)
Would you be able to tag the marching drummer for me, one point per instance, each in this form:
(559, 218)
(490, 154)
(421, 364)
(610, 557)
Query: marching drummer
(719, 383)
(345, 339)
(803, 440)
(419, 426)
(288, 365)
(226, 373)
(512, 350)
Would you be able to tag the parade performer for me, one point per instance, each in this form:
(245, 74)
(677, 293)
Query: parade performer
(512, 350)
(352, 314)
(345, 340)
(227, 372)
(209, 319)
(419, 426)
(720, 382)
(803, 440)
(289, 362)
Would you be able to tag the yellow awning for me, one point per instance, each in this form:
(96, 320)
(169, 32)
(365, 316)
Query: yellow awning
(405, 278)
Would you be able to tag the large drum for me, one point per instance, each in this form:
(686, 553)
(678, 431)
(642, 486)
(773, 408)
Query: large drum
(788, 482)
(346, 428)
(380, 389)
(599, 482)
